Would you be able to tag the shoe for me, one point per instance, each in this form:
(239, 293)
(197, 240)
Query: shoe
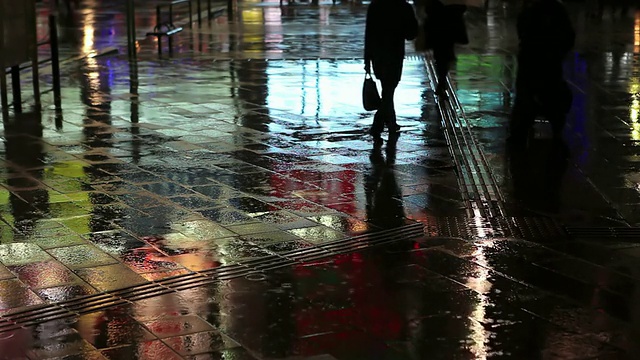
(441, 90)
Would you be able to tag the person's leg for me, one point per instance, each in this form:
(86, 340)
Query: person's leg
(379, 119)
(560, 101)
(524, 111)
(443, 55)
(522, 118)
(388, 93)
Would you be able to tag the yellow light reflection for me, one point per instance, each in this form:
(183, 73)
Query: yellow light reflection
(88, 30)
(482, 285)
(479, 222)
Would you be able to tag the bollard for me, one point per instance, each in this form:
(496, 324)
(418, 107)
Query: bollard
(55, 62)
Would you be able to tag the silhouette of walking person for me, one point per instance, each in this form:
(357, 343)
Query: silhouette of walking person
(389, 24)
(444, 28)
(546, 36)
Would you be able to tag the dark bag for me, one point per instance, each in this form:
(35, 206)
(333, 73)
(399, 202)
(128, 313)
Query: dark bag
(370, 96)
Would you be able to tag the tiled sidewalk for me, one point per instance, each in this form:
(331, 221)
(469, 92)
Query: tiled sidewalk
(201, 183)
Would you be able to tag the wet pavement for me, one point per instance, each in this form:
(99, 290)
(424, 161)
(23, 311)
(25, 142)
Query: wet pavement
(225, 202)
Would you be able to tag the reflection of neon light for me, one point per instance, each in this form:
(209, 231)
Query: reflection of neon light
(480, 284)
(636, 34)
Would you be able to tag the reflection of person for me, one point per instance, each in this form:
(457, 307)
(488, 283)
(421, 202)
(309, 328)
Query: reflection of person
(389, 24)
(384, 198)
(444, 27)
(536, 178)
(546, 36)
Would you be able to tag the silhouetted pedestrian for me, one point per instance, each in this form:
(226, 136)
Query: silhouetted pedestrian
(546, 36)
(444, 28)
(389, 24)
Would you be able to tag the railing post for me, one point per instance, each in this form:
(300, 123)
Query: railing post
(3, 92)
(230, 8)
(158, 22)
(55, 64)
(131, 28)
(15, 86)
(190, 15)
(199, 11)
(209, 9)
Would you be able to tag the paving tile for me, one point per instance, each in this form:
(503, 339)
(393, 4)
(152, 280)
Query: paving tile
(22, 253)
(155, 349)
(252, 228)
(110, 277)
(318, 234)
(59, 241)
(284, 220)
(166, 327)
(5, 273)
(342, 223)
(70, 344)
(236, 354)
(200, 342)
(65, 292)
(202, 230)
(82, 256)
(153, 276)
(89, 355)
(16, 294)
(44, 274)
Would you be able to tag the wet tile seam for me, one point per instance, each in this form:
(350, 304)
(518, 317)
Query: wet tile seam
(256, 268)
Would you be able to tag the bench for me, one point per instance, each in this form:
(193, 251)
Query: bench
(166, 28)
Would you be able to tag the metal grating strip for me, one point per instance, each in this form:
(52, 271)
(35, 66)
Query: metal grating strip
(91, 303)
(529, 228)
(604, 232)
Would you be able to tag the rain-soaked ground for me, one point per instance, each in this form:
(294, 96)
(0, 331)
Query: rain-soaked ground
(225, 201)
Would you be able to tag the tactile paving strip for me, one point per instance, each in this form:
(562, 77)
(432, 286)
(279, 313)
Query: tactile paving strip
(91, 303)
(477, 184)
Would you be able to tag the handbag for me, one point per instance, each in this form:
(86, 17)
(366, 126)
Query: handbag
(370, 96)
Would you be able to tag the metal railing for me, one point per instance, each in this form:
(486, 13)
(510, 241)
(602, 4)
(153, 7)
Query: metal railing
(55, 69)
(130, 12)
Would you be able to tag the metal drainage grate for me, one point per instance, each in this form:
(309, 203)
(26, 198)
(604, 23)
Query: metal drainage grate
(604, 232)
(529, 228)
(96, 302)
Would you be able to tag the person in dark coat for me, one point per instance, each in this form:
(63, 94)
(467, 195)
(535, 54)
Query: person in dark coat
(389, 24)
(444, 28)
(546, 36)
